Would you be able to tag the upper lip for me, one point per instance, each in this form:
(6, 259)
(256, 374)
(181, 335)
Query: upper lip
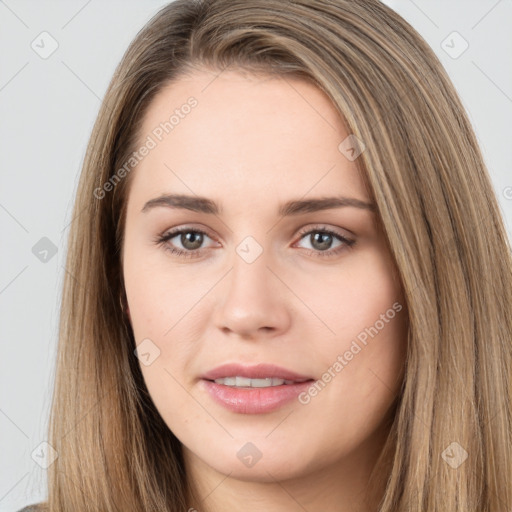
(259, 371)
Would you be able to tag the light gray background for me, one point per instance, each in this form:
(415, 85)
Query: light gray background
(47, 110)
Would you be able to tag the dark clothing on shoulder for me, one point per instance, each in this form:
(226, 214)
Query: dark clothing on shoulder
(36, 507)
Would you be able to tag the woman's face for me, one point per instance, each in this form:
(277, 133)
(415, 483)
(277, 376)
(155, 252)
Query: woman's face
(267, 275)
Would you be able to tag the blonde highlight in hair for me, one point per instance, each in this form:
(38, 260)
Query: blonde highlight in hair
(436, 206)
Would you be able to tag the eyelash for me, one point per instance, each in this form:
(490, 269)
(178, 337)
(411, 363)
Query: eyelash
(164, 238)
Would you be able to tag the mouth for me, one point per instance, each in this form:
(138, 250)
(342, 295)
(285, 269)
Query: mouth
(254, 389)
(245, 382)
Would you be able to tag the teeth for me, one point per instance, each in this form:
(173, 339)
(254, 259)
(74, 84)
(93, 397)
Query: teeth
(244, 382)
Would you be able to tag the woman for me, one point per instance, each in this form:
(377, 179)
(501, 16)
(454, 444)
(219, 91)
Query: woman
(208, 359)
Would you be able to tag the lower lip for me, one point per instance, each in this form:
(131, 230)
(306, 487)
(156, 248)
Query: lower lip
(254, 400)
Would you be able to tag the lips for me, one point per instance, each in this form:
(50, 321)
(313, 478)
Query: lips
(227, 386)
(260, 371)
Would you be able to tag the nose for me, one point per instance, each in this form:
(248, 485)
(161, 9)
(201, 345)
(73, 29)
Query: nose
(255, 300)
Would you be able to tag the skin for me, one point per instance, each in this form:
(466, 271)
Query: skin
(250, 144)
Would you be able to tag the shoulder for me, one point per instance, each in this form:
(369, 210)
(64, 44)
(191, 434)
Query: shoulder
(36, 507)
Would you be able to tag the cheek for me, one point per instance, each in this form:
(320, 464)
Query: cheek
(363, 359)
(159, 296)
(165, 313)
(364, 294)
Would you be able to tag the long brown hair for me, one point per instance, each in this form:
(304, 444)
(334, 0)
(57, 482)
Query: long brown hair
(437, 208)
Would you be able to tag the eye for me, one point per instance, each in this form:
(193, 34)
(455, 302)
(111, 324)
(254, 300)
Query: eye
(321, 240)
(190, 240)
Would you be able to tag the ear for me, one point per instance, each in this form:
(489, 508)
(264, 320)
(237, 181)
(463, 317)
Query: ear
(124, 306)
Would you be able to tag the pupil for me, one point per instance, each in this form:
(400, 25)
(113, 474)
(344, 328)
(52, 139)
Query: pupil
(187, 239)
(324, 242)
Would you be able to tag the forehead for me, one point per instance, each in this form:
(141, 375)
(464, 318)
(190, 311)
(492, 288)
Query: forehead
(234, 135)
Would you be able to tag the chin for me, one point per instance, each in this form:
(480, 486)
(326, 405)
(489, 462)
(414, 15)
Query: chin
(264, 471)
(260, 460)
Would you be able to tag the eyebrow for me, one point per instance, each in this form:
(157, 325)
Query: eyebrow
(290, 208)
